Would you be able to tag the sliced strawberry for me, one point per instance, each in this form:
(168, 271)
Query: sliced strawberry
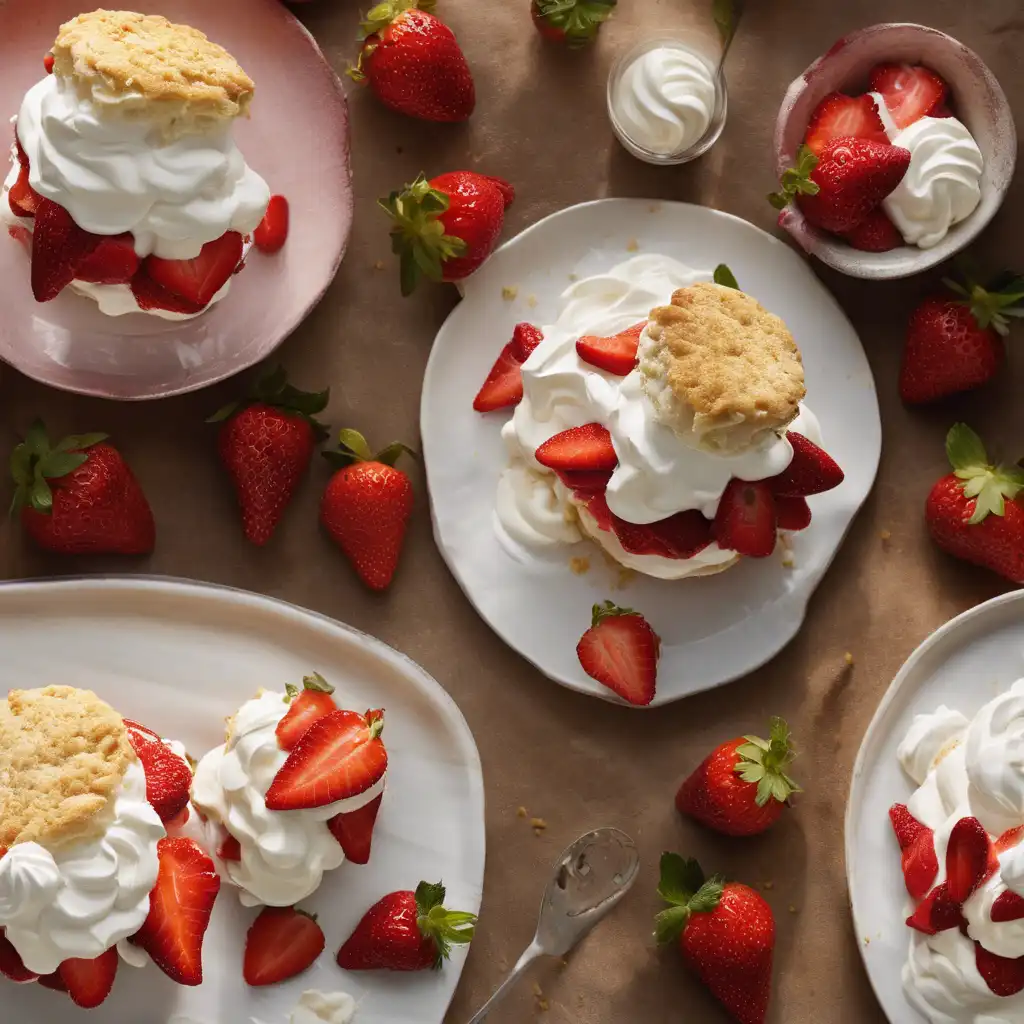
(23, 198)
(745, 520)
(585, 481)
(354, 830)
(588, 447)
(876, 233)
(151, 295)
(230, 849)
(616, 354)
(937, 912)
(307, 706)
(525, 338)
(281, 943)
(48, 63)
(621, 651)
(89, 981)
(11, 966)
(59, 247)
(113, 261)
(53, 981)
(168, 777)
(970, 859)
(838, 115)
(142, 732)
(812, 470)
(20, 234)
(1009, 839)
(1003, 976)
(792, 513)
(504, 384)
(910, 91)
(179, 910)
(680, 536)
(178, 822)
(341, 755)
(1008, 906)
(272, 231)
(200, 278)
(920, 863)
(906, 827)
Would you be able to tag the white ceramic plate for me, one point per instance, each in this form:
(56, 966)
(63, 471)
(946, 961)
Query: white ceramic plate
(964, 664)
(180, 657)
(712, 629)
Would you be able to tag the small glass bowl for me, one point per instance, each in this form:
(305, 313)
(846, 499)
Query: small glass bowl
(641, 152)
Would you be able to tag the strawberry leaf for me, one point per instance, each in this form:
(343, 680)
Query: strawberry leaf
(680, 879)
(707, 897)
(316, 682)
(796, 180)
(291, 691)
(58, 464)
(725, 277)
(608, 610)
(668, 925)
(428, 896)
(764, 763)
(988, 485)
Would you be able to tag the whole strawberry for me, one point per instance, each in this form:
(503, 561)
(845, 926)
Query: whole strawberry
(741, 788)
(446, 227)
(726, 934)
(573, 22)
(266, 443)
(838, 190)
(79, 497)
(413, 62)
(406, 931)
(366, 507)
(955, 343)
(973, 513)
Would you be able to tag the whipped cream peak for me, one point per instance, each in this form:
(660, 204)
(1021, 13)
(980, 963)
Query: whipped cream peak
(316, 1007)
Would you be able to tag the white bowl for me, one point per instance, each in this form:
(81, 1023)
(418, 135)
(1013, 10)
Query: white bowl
(977, 99)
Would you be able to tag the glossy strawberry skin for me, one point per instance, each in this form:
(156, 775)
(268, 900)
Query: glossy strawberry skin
(876, 233)
(272, 232)
(840, 116)
(168, 777)
(388, 938)
(917, 846)
(354, 830)
(59, 247)
(476, 213)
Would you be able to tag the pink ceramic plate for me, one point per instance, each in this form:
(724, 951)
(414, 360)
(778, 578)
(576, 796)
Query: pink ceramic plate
(297, 139)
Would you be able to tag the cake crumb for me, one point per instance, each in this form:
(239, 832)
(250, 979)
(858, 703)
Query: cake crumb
(654, 208)
(509, 292)
(543, 1005)
(537, 990)
(788, 561)
(521, 812)
(579, 565)
(531, 301)
(574, 277)
(538, 825)
(886, 536)
(769, 885)
(625, 577)
(379, 265)
(792, 909)
(632, 245)
(848, 659)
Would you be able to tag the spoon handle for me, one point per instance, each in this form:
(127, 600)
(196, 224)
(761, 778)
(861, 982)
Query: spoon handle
(529, 955)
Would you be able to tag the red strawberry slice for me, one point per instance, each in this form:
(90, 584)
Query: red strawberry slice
(792, 513)
(201, 277)
(938, 912)
(585, 481)
(504, 384)
(23, 198)
(970, 859)
(876, 233)
(341, 755)
(272, 232)
(113, 261)
(89, 981)
(838, 116)
(53, 981)
(906, 827)
(1009, 839)
(151, 295)
(910, 91)
(680, 536)
(525, 338)
(588, 447)
(48, 63)
(307, 706)
(354, 830)
(281, 943)
(621, 651)
(143, 731)
(230, 849)
(1008, 906)
(179, 910)
(745, 521)
(616, 354)
(20, 234)
(178, 822)
(812, 470)
(11, 966)
(168, 777)
(59, 247)
(1003, 976)
(920, 863)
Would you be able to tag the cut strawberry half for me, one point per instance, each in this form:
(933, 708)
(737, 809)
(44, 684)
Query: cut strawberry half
(306, 706)
(792, 513)
(1007, 906)
(151, 295)
(113, 261)
(970, 859)
(745, 521)
(354, 830)
(272, 232)
(1009, 839)
(53, 981)
(585, 481)
(937, 912)
(875, 233)
(340, 756)
(616, 354)
(525, 338)
(59, 248)
(917, 843)
(811, 471)
(197, 280)
(230, 849)
(621, 651)
(838, 116)
(281, 943)
(23, 199)
(168, 777)
(89, 981)
(580, 448)
(504, 384)
(680, 536)
(11, 965)
(1004, 977)
(910, 91)
(142, 732)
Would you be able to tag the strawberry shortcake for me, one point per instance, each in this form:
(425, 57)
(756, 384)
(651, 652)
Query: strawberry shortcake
(126, 185)
(661, 416)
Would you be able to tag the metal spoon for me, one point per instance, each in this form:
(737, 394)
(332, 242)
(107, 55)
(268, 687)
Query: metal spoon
(589, 879)
(727, 14)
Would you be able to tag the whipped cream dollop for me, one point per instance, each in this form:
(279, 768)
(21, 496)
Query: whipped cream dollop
(284, 854)
(665, 99)
(79, 899)
(323, 1008)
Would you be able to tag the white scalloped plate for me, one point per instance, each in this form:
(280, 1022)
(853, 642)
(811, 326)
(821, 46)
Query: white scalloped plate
(713, 629)
(180, 657)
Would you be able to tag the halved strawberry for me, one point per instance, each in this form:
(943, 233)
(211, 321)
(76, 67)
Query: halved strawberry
(1009, 839)
(201, 277)
(168, 777)
(144, 731)
(59, 247)
(580, 448)
(792, 513)
(1004, 977)
(272, 231)
(354, 830)
(89, 981)
(585, 481)
(838, 115)
(53, 981)
(1008, 906)
(504, 384)
(11, 966)
(970, 859)
(812, 470)
(179, 910)
(910, 91)
(281, 943)
(20, 234)
(917, 843)
(113, 261)
(680, 536)
(307, 706)
(745, 520)
(875, 233)
(616, 354)
(151, 295)
(525, 338)
(937, 912)
(621, 651)
(230, 849)
(341, 755)
(23, 198)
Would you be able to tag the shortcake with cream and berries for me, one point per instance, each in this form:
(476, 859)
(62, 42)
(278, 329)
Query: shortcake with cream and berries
(662, 416)
(294, 791)
(126, 185)
(93, 860)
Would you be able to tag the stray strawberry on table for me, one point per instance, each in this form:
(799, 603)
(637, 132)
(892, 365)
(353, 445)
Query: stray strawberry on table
(621, 651)
(572, 22)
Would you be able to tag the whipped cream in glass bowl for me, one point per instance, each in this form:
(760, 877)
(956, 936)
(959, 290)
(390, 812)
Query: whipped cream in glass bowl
(667, 102)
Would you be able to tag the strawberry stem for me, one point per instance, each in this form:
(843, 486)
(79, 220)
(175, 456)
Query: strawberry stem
(764, 762)
(383, 14)
(314, 681)
(991, 306)
(988, 485)
(34, 462)
(445, 927)
(608, 610)
(578, 19)
(686, 890)
(796, 180)
(272, 388)
(353, 448)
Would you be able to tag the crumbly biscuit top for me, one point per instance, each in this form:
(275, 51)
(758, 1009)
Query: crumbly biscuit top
(123, 51)
(728, 358)
(63, 754)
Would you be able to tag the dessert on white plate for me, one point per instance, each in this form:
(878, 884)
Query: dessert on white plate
(126, 184)
(316, 1007)
(962, 839)
(294, 790)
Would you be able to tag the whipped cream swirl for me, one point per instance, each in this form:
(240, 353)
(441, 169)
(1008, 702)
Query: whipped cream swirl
(80, 899)
(323, 1008)
(284, 854)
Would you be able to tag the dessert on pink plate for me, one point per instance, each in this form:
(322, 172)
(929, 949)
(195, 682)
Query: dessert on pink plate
(125, 184)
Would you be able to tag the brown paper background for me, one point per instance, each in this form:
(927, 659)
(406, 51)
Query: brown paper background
(575, 761)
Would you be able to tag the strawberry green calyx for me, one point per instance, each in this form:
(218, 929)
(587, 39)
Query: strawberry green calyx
(608, 610)
(990, 486)
(796, 180)
(314, 681)
(991, 306)
(445, 927)
(273, 389)
(577, 20)
(725, 277)
(375, 720)
(383, 14)
(417, 236)
(685, 888)
(765, 762)
(352, 448)
(35, 462)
